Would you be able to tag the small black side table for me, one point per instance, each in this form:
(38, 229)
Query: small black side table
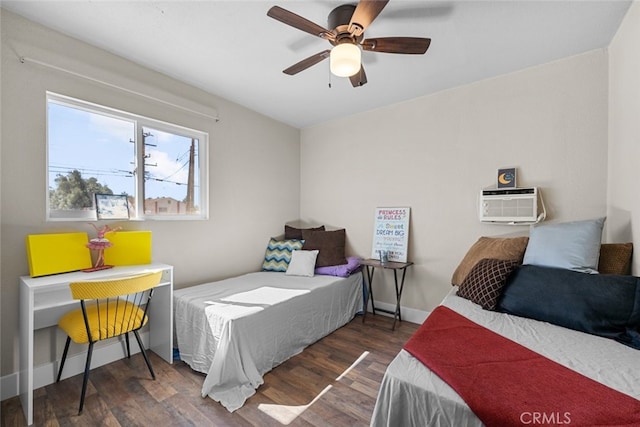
(370, 266)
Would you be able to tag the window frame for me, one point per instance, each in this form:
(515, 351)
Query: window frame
(139, 122)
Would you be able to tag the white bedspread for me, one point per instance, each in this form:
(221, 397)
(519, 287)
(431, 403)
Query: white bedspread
(237, 329)
(411, 395)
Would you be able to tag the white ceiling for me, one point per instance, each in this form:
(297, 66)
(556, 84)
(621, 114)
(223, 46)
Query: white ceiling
(232, 49)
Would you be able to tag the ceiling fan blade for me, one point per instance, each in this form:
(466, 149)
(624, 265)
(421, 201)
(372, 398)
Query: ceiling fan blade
(366, 11)
(297, 21)
(308, 62)
(359, 78)
(407, 45)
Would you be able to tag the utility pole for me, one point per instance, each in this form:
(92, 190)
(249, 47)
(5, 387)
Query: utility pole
(145, 156)
(190, 179)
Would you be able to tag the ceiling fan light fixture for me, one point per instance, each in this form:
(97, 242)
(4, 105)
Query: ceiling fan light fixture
(344, 60)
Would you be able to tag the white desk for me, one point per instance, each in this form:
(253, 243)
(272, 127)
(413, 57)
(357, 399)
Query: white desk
(43, 300)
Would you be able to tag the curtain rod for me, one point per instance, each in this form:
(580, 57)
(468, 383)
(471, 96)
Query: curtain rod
(24, 59)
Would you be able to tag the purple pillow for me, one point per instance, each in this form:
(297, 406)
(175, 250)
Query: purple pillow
(343, 270)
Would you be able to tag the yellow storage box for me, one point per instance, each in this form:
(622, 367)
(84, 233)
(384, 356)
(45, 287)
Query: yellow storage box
(129, 248)
(57, 253)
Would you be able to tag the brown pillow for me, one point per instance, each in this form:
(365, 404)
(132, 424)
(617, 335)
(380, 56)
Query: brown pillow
(296, 233)
(484, 283)
(331, 245)
(504, 248)
(615, 258)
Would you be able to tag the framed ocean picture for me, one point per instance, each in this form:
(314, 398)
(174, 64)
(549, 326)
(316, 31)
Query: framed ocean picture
(112, 206)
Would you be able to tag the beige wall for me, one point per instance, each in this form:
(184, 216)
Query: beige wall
(436, 152)
(624, 133)
(246, 152)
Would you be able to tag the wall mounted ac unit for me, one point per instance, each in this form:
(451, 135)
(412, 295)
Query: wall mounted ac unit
(513, 205)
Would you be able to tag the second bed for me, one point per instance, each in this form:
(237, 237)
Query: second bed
(236, 330)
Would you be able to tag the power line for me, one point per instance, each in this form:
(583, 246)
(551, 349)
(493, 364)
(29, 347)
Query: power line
(117, 173)
(60, 170)
(166, 180)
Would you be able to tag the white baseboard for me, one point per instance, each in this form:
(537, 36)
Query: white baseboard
(46, 374)
(9, 386)
(409, 314)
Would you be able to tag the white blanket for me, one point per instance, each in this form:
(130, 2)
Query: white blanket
(411, 395)
(237, 329)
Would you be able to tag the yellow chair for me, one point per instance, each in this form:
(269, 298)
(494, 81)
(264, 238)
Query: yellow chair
(108, 309)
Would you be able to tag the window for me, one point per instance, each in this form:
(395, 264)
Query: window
(161, 168)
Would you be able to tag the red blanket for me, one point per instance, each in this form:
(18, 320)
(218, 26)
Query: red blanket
(506, 384)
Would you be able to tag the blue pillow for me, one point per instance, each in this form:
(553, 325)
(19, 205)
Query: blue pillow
(570, 245)
(606, 305)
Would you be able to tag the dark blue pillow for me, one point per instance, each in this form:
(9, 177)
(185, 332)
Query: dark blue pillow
(605, 305)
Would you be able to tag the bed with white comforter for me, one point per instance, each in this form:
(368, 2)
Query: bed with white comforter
(236, 330)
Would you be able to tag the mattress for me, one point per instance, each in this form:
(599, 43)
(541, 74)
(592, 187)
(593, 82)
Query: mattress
(236, 330)
(411, 395)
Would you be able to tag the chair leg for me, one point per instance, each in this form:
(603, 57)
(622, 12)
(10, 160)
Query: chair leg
(144, 354)
(85, 380)
(126, 338)
(64, 358)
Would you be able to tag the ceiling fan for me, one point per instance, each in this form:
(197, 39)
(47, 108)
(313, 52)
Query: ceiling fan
(348, 23)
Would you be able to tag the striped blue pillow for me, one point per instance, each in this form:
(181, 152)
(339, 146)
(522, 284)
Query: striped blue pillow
(278, 254)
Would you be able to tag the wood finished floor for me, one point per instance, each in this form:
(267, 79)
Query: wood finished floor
(333, 382)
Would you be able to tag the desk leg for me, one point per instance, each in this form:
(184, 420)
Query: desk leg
(161, 322)
(398, 315)
(26, 352)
